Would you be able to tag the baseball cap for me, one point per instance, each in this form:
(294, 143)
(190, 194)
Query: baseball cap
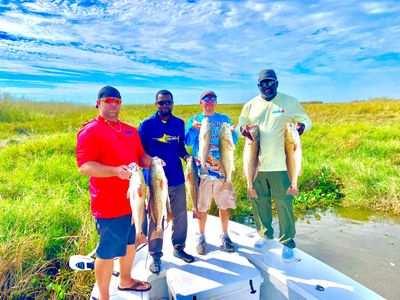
(108, 91)
(207, 93)
(266, 74)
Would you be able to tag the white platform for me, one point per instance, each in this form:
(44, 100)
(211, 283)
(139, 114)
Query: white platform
(304, 278)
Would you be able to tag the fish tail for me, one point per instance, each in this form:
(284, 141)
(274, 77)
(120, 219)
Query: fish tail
(157, 234)
(225, 186)
(251, 193)
(292, 191)
(141, 238)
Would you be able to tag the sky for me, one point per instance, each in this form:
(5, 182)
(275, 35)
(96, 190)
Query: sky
(329, 51)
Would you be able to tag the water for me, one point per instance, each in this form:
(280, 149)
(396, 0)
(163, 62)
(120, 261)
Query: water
(364, 246)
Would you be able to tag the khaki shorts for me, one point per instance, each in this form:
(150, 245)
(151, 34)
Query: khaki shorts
(210, 188)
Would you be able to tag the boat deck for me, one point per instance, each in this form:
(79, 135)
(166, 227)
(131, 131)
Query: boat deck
(303, 278)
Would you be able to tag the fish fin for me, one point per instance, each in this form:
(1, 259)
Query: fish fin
(152, 211)
(251, 193)
(292, 191)
(140, 191)
(157, 234)
(256, 172)
(295, 146)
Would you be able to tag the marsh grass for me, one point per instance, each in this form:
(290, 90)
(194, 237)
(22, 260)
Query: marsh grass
(351, 158)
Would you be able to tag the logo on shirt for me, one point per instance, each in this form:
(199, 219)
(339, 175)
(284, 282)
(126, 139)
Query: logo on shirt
(167, 138)
(128, 132)
(278, 111)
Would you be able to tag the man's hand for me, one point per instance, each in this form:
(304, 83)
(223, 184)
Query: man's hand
(123, 172)
(245, 131)
(196, 124)
(300, 127)
(186, 157)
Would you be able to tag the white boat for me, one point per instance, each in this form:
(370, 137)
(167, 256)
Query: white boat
(246, 274)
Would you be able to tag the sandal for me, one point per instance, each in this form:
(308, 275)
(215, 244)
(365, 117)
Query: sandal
(137, 286)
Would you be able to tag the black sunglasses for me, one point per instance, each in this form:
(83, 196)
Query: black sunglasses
(267, 83)
(164, 102)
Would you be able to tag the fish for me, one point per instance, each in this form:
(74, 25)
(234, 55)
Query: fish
(192, 180)
(204, 145)
(251, 151)
(226, 154)
(159, 198)
(137, 198)
(294, 154)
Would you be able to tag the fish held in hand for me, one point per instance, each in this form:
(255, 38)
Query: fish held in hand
(204, 144)
(226, 154)
(251, 153)
(192, 180)
(294, 154)
(137, 198)
(159, 198)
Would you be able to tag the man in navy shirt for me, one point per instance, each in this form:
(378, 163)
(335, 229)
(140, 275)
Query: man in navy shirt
(163, 135)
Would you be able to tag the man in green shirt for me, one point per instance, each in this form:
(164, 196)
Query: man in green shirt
(271, 111)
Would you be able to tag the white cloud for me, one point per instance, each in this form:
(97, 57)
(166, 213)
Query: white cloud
(209, 41)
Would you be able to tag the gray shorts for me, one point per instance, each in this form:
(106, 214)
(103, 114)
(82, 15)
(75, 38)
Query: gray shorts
(115, 234)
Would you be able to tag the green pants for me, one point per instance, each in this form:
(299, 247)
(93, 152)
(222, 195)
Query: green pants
(274, 185)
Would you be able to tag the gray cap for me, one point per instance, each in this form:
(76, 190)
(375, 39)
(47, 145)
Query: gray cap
(267, 74)
(207, 93)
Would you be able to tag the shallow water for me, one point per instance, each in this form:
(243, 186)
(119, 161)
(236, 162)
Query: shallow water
(362, 246)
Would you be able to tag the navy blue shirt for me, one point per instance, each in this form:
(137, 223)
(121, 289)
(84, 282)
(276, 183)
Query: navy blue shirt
(167, 141)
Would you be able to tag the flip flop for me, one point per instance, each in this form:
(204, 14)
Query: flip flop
(137, 286)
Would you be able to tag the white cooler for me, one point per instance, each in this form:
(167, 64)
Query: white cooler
(217, 275)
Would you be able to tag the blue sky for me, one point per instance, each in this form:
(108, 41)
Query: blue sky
(331, 51)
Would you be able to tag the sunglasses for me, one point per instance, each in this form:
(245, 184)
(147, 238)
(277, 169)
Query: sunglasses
(110, 100)
(164, 102)
(209, 98)
(267, 83)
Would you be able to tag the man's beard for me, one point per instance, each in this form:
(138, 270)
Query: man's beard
(164, 113)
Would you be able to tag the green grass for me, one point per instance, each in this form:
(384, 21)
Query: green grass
(351, 158)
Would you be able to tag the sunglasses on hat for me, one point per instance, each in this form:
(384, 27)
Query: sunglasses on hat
(209, 98)
(164, 102)
(110, 100)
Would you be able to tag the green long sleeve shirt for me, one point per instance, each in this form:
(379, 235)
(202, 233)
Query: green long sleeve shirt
(271, 118)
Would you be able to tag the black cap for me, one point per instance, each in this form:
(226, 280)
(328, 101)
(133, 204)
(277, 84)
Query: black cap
(266, 74)
(108, 91)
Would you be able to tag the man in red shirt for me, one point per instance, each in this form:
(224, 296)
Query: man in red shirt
(105, 148)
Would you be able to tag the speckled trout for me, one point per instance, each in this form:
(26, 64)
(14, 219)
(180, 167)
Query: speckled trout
(251, 153)
(158, 199)
(192, 183)
(226, 154)
(293, 157)
(204, 144)
(137, 197)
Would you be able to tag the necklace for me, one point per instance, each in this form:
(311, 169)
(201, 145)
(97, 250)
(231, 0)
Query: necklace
(109, 123)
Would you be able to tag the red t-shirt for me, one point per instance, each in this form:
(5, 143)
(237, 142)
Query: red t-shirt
(112, 145)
